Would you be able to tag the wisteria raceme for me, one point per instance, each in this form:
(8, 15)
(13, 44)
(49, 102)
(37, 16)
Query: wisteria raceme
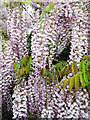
(17, 30)
(31, 16)
(13, 49)
(20, 101)
(79, 43)
(6, 66)
(36, 95)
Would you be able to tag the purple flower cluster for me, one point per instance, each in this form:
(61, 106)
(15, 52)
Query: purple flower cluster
(17, 30)
(79, 43)
(20, 100)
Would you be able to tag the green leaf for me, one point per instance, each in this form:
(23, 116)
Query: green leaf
(56, 73)
(88, 75)
(85, 78)
(49, 7)
(21, 62)
(60, 83)
(67, 70)
(61, 63)
(21, 72)
(64, 84)
(76, 68)
(80, 66)
(27, 70)
(16, 66)
(72, 68)
(77, 81)
(18, 72)
(29, 62)
(60, 75)
(53, 73)
(43, 70)
(71, 83)
(47, 72)
(48, 81)
(24, 61)
(51, 77)
(83, 67)
(82, 80)
(84, 57)
(87, 68)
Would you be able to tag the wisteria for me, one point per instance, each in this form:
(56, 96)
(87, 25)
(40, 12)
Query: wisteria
(33, 93)
(79, 32)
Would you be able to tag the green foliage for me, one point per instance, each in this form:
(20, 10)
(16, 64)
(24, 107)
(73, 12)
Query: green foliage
(48, 8)
(16, 66)
(45, 73)
(64, 84)
(77, 76)
(71, 83)
(81, 74)
(61, 69)
(23, 67)
(60, 83)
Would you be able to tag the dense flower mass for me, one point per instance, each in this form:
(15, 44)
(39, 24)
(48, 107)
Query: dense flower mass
(17, 30)
(79, 43)
(20, 101)
(36, 95)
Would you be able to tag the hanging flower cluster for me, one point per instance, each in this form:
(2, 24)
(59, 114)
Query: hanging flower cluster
(12, 50)
(16, 27)
(6, 66)
(17, 30)
(79, 43)
(6, 60)
(36, 95)
(20, 101)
